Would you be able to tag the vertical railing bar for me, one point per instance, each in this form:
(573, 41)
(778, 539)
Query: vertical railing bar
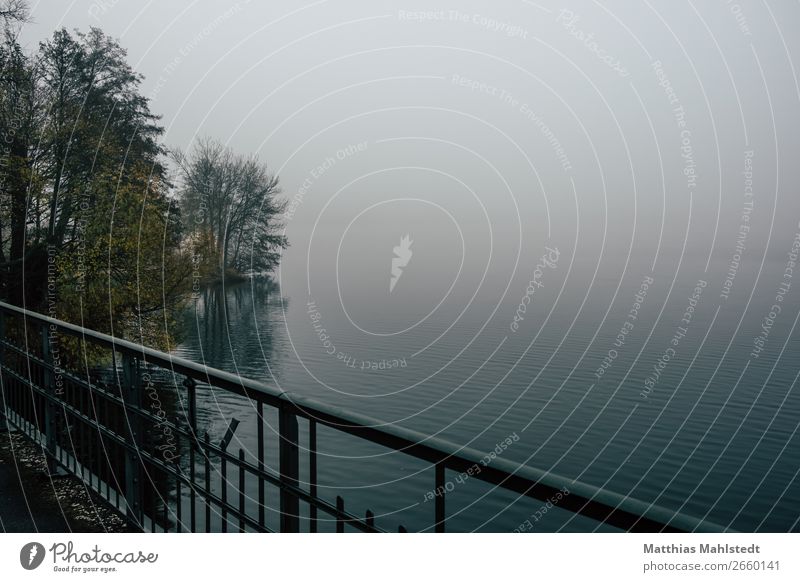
(289, 461)
(90, 439)
(46, 382)
(35, 408)
(439, 495)
(98, 443)
(165, 513)
(30, 413)
(93, 469)
(110, 446)
(192, 492)
(74, 461)
(108, 472)
(241, 490)
(312, 470)
(102, 451)
(339, 513)
(191, 394)
(94, 422)
(153, 513)
(81, 432)
(207, 455)
(73, 444)
(3, 394)
(260, 453)
(370, 519)
(131, 395)
(120, 453)
(223, 466)
(178, 499)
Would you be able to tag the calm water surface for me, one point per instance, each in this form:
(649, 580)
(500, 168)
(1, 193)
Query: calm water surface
(712, 434)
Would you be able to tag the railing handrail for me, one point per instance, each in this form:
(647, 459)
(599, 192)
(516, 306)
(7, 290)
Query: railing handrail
(585, 499)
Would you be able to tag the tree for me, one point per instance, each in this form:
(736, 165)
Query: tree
(233, 200)
(19, 113)
(97, 120)
(14, 12)
(84, 194)
(90, 230)
(129, 264)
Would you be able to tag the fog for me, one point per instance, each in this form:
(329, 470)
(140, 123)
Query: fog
(625, 135)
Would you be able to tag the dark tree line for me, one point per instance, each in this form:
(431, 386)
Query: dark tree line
(91, 228)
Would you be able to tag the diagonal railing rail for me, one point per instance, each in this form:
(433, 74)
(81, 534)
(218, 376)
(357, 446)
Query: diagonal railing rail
(107, 431)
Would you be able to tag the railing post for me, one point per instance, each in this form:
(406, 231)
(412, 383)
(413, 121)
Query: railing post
(440, 488)
(289, 460)
(3, 421)
(50, 413)
(131, 396)
(194, 442)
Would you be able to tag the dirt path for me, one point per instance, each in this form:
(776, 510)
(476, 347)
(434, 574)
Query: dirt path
(30, 501)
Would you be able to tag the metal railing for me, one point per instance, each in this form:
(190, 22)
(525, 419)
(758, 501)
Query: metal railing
(102, 430)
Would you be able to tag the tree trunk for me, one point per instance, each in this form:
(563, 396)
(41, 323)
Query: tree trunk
(17, 185)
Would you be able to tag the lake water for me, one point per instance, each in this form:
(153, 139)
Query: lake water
(712, 433)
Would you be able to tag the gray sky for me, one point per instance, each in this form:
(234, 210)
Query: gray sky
(487, 130)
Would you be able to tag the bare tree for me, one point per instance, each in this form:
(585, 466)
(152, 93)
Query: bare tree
(233, 199)
(14, 12)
